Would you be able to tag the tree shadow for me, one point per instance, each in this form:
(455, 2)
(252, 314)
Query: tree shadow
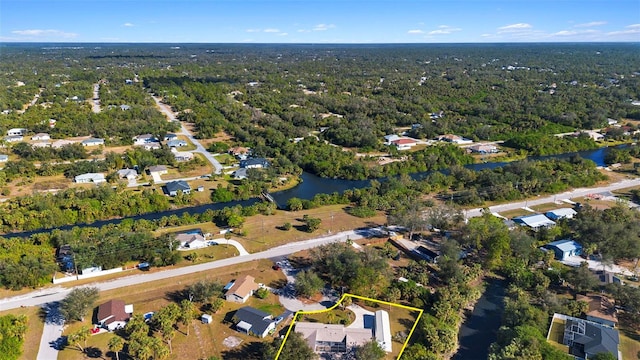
(177, 296)
(248, 351)
(93, 352)
(278, 284)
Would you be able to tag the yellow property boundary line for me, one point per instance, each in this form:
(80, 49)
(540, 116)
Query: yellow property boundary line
(295, 316)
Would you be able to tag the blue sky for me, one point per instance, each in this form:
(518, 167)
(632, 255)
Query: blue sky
(319, 21)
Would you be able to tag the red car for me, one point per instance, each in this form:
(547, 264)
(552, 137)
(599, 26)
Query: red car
(276, 267)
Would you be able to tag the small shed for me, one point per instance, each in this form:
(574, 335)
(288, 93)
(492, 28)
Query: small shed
(206, 319)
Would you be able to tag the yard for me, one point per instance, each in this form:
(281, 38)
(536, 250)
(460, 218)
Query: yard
(542, 208)
(35, 325)
(334, 316)
(204, 340)
(556, 335)
(510, 214)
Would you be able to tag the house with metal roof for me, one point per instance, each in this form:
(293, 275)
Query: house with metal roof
(382, 330)
(176, 143)
(95, 178)
(564, 249)
(252, 321)
(562, 213)
(535, 222)
(93, 142)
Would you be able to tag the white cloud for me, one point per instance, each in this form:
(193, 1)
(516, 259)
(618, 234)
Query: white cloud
(128, 24)
(514, 28)
(591, 24)
(283, 34)
(444, 30)
(271, 30)
(565, 33)
(252, 30)
(45, 33)
(303, 31)
(633, 26)
(323, 27)
(625, 32)
(415, 32)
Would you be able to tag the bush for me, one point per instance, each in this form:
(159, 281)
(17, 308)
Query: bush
(286, 226)
(262, 293)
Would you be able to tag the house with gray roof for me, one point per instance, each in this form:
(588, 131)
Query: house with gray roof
(562, 213)
(254, 163)
(176, 143)
(174, 186)
(535, 222)
(252, 321)
(586, 338)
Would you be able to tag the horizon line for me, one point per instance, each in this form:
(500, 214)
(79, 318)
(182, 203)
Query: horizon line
(318, 43)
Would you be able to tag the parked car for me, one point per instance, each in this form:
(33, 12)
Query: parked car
(278, 320)
(276, 267)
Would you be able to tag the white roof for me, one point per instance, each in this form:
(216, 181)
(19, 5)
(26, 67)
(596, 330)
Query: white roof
(563, 213)
(128, 309)
(383, 330)
(536, 221)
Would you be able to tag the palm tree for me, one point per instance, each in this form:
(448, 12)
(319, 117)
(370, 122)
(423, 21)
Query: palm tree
(187, 313)
(80, 336)
(116, 344)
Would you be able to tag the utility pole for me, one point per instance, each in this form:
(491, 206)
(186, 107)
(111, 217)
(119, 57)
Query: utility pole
(331, 224)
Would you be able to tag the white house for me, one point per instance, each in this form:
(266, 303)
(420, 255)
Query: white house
(388, 139)
(92, 142)
(456, 139)
(13, 138)
(95, 178)
(114, 314)
(241, 289)
(60, 143)
(158, 170)
(404, 143)
(562, 213)
(535, 222)
(144, 139)
(129, 174)
(17, 132)
(152, 146)
(191, 241)
(382, 330)
(4, 158)
(182, 155)
(41, 136)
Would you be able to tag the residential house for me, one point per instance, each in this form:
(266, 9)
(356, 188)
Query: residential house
(176, 143)
(144, 139)
(242, 289)
(4, 158)
(254, 163)
(41, 144)
(174, 186)
(41, 136)
(60, 143)
(125, 107)
(191, 240)
(535, 222)
(600, 309)
(389, 139)
(92, 142)
(404, 143)
(182, 155)
(253, 321)
(484, 149)
(382, 330)
(13, 138)
(240, 174)
(239, 152)
(427, 254)
(587, 338)
(563, 213)
(157, 170)
(594, 135)
(435, 116)
(128, 82)
(114, 314)
(17, 132)
(95, 178)
(563, 249)
(170, 136)
(332, 338)
(129, 174)
(152, 146)
(455, 139)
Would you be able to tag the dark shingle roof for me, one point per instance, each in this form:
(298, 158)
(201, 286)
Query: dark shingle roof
(177, 185)
(259, 320)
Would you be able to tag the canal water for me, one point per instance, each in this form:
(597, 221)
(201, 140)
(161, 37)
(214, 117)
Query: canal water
(481, 326)
(310, 186)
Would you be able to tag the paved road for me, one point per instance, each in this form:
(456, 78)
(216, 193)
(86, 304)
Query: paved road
(49, 295)
(95, 103)
(165, 109)
(553, 198)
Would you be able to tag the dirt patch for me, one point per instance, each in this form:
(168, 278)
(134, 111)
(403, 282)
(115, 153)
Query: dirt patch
(231, 341)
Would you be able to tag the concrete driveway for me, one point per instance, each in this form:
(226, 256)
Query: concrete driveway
(364, 318)
(51, 340)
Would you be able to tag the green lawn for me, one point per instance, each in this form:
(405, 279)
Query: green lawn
(629, 347)
(335, 316)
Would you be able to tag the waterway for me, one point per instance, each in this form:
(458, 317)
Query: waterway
(480, 329)
(310, 186)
